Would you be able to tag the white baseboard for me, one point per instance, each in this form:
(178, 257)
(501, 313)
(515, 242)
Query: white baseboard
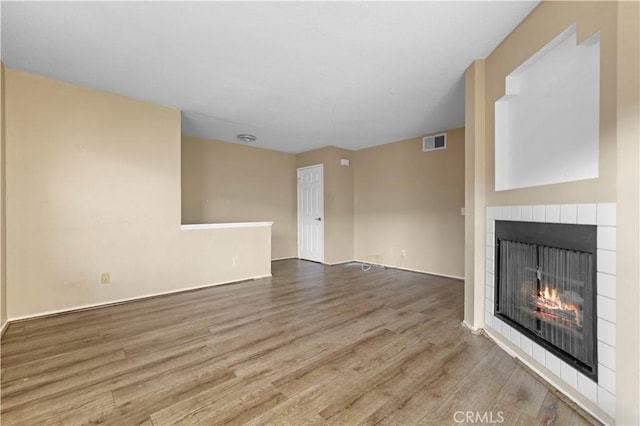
(283, 258)
(473, 330)
(4, 327)
(342, 262)
(257, 277)
(438, 274)
(126, 300)
(322, 263)
(338, 263)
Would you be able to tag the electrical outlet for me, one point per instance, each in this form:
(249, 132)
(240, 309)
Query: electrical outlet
(403, 253)
(105, 278)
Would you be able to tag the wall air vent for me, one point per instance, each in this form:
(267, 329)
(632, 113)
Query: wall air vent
(431, 143)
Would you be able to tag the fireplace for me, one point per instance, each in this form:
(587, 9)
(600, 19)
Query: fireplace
(546, 287)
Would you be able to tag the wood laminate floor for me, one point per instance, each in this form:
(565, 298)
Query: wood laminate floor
(313, 344)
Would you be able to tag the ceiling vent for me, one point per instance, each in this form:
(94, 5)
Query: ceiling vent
(431, 143)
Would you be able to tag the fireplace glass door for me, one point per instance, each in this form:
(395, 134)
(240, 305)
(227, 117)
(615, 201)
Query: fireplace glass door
(548, 293)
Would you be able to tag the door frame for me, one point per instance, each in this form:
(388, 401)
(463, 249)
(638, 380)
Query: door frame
(298, 212)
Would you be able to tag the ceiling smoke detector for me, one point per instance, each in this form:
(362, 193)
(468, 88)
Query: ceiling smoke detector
(247, 138)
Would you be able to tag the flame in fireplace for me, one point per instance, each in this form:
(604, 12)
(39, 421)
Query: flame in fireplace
(549, 304)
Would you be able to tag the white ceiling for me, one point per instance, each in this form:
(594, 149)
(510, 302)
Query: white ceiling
(298, 75)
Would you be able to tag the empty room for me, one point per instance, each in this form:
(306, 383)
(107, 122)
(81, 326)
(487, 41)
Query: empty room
(344, 213)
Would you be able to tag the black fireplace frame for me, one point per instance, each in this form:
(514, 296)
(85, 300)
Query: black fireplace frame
(581, 238)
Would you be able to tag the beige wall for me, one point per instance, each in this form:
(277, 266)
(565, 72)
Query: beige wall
(338, 200)
(3, 269)
(217, 188)
(225, 182)
(409, 200)
(93, 186)
(628, 211)
(619, 179)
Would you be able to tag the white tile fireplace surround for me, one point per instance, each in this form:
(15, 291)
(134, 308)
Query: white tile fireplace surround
(561, 375)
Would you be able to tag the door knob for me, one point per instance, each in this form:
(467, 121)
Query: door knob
(318, 218)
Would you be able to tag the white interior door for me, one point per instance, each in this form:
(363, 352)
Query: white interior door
(311, 213)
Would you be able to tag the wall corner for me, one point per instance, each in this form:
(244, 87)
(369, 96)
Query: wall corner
(475, 205)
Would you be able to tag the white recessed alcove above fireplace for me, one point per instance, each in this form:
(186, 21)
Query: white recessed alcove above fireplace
(547, 124)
